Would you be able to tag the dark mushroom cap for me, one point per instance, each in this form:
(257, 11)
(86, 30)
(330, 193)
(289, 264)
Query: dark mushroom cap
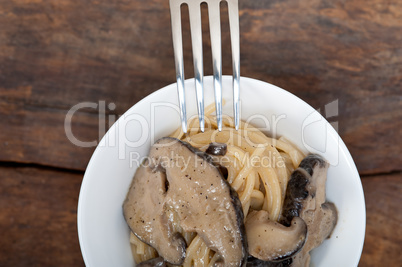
(305, 197)
(181, 178)
(217, 149)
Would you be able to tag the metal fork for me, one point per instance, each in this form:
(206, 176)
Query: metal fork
(194, 7)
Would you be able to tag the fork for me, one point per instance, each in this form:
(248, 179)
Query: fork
(194, 7)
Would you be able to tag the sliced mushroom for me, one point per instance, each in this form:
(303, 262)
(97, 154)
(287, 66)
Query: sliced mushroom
(155, 262)
(271, 241)
(178, 177)
(217, 149)
(254, 262)
(327, 217)
(305, 197)
(144, 212)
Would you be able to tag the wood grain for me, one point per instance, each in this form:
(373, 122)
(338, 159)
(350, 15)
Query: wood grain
(54, 55)
(33, 134)
(382, 246)
(38, 218)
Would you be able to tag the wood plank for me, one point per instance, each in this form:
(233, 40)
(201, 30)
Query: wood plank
(68, 52)
(382, 246)
(54, 55)
(32, 134)
(38, 219)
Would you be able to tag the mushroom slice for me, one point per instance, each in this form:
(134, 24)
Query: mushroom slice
(305, 197)
(217, 149)
(271, 241)
(254, 262)
(155, 262)
(326, 216)
(184, 179)
(144, 212)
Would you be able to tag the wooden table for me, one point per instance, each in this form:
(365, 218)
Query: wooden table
(56, 54)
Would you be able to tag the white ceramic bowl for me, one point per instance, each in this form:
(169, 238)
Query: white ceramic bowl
(102, 230)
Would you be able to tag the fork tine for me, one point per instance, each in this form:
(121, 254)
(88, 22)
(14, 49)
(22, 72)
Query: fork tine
(178, 55)
(233, 7)
(196, 41)
(216, 47)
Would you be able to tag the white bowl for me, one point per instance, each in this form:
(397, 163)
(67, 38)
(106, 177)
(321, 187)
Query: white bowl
(102, 230)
